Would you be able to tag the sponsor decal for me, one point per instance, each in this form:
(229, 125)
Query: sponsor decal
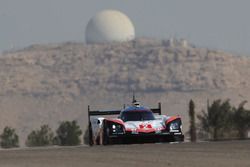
(145, 126)
(177, 133)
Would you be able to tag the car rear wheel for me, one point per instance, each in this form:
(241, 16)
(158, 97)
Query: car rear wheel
(104, 136)
(90, 136)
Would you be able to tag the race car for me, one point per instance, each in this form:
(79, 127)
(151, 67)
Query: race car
(134, 124)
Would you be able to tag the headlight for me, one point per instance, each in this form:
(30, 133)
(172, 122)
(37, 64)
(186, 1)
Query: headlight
(174, 126)
(117, 128)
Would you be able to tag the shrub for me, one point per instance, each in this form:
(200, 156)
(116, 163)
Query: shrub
(241, 119)
(9, 138)
(217, 121)
(42, 137)
(68, 133)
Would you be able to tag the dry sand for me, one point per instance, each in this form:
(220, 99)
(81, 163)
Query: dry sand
(206, 154)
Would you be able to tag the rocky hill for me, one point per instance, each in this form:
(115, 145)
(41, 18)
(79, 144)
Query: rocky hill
(54, 82)
(72, 69)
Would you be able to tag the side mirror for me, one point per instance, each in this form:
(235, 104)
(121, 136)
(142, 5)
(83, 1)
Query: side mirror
(98, 121)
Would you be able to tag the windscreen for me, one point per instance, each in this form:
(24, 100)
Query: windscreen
(137, 116)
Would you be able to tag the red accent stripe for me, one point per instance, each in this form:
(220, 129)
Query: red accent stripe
(172, 119)
(128, 130)
(144, 130)
(118, 121)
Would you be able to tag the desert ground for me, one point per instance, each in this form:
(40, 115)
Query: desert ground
(202, 154)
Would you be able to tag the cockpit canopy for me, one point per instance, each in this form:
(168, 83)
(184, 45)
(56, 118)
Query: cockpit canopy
(136, 115)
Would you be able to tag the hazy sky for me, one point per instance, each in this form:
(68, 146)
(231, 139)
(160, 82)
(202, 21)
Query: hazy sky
(220, 24)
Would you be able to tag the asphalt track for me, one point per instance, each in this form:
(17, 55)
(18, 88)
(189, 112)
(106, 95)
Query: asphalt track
(204, 154)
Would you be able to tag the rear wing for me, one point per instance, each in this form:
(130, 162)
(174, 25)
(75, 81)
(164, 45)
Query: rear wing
(157, 110)
(110, 112)
(117, 112)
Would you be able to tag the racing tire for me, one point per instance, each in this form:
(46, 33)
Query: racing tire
(105, 135)
(90, 136)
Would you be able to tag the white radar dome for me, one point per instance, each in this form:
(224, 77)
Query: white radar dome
(109, 26)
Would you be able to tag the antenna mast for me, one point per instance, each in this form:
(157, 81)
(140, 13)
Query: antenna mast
(133, 97)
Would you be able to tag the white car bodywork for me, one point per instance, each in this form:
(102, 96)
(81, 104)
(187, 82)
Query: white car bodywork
(135, 127)
(134, 123)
